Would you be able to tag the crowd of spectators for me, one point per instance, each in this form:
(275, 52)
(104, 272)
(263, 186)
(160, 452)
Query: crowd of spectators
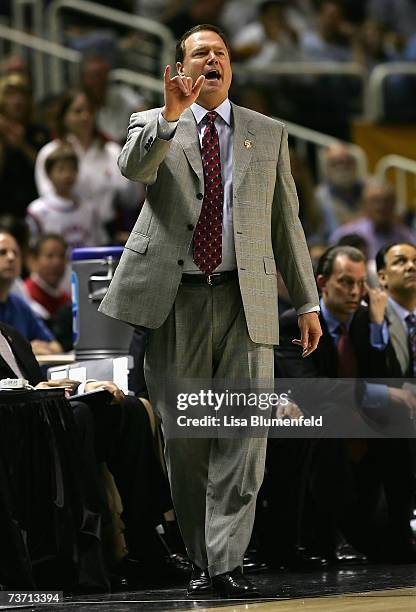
(61, 188)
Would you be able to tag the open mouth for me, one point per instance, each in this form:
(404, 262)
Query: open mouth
(212, 75)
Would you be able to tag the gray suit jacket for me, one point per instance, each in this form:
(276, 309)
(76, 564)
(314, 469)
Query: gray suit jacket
(265, 217)
(398, 339)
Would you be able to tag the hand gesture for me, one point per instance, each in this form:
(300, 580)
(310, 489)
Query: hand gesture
(310, 331)
(180, 93)
(377, 301)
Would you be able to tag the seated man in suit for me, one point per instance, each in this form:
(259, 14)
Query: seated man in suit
(396, 267)
(118, 433)
(347, 476)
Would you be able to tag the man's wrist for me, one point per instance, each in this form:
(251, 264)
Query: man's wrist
(169, 116)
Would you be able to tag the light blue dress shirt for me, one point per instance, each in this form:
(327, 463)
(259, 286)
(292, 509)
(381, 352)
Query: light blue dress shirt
(375, 395)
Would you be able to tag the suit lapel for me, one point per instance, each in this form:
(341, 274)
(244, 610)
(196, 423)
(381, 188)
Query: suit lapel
(398, 338)
(243, 146)
(3, 362)
(5, 367)
(187, 136)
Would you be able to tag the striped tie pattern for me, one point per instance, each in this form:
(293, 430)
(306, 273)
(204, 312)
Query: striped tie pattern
(207, 242)
(411, 327)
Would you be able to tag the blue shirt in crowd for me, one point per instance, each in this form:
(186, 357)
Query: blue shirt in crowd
(17, 313)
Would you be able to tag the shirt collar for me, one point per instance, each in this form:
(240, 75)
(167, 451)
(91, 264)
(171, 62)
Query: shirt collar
(331, 322)
(400, 311)
(224, 111)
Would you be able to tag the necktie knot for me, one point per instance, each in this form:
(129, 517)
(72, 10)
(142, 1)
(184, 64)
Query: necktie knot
(211, 116)
(342, 329)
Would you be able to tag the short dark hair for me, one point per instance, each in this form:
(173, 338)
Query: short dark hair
(37, 246)
(327, 260)
(381, 255)
(61, 153)
(180, 47)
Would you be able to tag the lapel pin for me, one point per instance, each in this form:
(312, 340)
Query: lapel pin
(248, 144)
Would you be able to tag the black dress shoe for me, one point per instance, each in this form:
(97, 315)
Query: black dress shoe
(299, 559)
(200, 583)
(234, 585)
(252, 564)
(345, 554)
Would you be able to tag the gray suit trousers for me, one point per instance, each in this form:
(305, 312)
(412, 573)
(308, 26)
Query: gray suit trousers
(214, 482)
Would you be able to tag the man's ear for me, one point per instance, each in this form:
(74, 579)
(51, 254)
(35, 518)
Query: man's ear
(382, 277)
(321, 281)
(179, 69)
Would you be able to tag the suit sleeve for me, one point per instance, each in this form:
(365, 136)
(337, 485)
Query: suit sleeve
(143, 151)
(289, 243)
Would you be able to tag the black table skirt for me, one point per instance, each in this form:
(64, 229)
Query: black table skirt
(51, 537)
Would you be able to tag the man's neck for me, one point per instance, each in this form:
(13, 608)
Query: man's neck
(339, 316)
(210, 104)
(405, 300)
(4, 292)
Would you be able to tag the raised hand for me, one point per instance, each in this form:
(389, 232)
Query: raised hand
(180, 93)
(377, 302)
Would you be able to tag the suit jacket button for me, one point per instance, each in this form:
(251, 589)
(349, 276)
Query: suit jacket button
(200, 196)
(190, 226)
(180, 262)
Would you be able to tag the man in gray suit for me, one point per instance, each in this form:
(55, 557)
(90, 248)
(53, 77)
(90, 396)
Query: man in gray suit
(396, 266)
(199, 270)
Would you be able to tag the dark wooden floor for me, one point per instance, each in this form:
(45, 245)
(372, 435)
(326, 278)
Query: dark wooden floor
(374, 587)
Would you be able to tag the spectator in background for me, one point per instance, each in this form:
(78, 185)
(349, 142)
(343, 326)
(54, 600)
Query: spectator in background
(14, 310)
(371, 46)
(13, 63)
(20, 140)
(99, 180)
(113, 103)
(18, 228)
(378, 223)
(237, 14)
(332, 39)
(339, 195)
(309, 212)
(195, 12)
(48, 262)
(268, 39)
(74, 219)
(398, 16)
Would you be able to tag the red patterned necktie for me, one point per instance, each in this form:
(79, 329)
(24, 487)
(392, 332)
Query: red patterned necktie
(207, 243)
(347, 363)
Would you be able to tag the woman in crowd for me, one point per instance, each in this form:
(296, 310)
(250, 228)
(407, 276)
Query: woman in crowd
(20, 140)
(99, 180)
